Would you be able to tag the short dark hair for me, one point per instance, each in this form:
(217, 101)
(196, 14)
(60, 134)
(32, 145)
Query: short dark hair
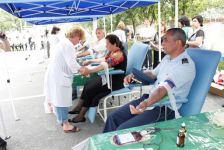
(178, 34)
(55, 30)
(113, 39)
(3, 36)
(199, 18)
(184, 21)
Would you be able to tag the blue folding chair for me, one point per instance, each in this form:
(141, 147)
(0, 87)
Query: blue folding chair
(135, 59)
(206, 62)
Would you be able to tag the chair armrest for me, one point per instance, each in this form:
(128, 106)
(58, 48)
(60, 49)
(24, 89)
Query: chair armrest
(88, 57)
(94, 64)
(111, 72)
(139, 75)
(166, 102)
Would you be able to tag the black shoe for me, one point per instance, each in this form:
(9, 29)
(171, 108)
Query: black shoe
(74, 112)
(73, 120)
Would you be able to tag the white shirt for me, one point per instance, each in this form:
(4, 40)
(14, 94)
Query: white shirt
(120, 34)
(99, 48)
(59, 76)
(147, 32)
(53, 40)
(180, 70)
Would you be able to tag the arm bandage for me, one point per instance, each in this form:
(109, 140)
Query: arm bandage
(105, 77)
(168, 85)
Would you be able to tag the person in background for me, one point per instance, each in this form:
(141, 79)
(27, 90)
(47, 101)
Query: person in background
(155, 45)
(120, 33)
(99, 47)
(196, 40)
(184, 23)
(59, 77)
(97, 88)
(53, 39)
(4, 43)
(147, 34)
(97, 50)
(174, 76)
(127, 32)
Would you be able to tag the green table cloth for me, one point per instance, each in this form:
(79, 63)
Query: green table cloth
(202, 134)
(80, 80)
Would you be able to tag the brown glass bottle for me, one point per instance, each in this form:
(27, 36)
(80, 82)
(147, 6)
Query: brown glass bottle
(181, 138)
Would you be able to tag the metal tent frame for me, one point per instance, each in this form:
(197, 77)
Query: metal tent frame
(61, 11)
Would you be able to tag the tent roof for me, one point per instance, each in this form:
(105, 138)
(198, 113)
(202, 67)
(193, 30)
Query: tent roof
(56, 20)
(58, 8)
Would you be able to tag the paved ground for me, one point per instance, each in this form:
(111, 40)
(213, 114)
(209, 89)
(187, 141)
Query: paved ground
(36, 130)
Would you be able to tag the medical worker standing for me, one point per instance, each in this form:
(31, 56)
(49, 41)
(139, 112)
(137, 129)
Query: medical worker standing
(59, 76)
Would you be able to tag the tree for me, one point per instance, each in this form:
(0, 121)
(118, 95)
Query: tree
(9, 22)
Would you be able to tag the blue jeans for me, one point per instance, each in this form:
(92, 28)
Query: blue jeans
(61, 114)
(123, 119)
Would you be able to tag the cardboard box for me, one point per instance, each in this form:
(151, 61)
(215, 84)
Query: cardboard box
(217, 89)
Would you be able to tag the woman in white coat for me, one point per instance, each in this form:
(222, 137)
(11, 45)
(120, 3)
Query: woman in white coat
(59, 77)
(54, 39)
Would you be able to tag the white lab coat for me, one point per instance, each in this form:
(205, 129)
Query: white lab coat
(54, 39)
(59, 75)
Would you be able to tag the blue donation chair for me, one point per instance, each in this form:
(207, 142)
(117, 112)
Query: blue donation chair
(135, 59)
(206, 62)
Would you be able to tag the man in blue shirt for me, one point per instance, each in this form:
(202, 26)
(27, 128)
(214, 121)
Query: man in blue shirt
(174, 76)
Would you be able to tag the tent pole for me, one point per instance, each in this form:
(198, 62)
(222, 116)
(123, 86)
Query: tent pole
(104, 25)
(10, 90)
(176, 13)
(94, 26)
(159, 26)
(111, 23)
(3, 125)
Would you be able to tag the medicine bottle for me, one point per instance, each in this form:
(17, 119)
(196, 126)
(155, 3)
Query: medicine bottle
(181, 138)
(183, 126)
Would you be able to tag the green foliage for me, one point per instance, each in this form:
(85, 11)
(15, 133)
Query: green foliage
(130, 43)
(221, 66)
(135, 16)
(9, 22)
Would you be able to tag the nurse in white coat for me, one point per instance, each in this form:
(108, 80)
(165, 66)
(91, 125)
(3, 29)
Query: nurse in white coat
(59, 77)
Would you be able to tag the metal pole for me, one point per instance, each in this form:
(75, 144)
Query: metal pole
(104, 25)
(10, 89)
(11, 100)
(176, 13)
(159, 25)
(94, 26)
(3, 125)
(21, 25)
(111, 23)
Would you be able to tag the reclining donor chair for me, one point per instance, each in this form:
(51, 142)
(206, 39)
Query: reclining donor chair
(192, 105)
(206, 62)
